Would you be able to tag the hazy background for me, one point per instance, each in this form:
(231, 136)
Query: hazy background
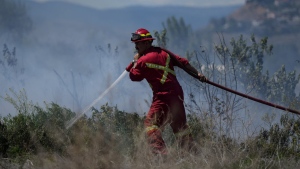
(66, 59)
(102, 4)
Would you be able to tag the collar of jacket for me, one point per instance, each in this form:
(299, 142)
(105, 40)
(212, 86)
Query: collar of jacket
(148, 50)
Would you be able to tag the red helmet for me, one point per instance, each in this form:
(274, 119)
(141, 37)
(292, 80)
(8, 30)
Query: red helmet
(141, 35)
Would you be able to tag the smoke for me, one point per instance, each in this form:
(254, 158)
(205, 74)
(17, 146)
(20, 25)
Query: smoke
(71, 64)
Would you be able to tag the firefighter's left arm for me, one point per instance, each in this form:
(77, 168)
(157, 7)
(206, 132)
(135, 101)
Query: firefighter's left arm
(192, 69)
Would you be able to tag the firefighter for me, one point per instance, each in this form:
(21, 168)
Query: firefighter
(157, 66)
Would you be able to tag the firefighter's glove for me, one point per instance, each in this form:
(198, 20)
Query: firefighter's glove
(129, 66)
(202, 78)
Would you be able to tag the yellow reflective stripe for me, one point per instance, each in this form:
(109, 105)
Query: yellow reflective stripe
(182, 133)
(166, 69)
(147, 34)
(150, 128)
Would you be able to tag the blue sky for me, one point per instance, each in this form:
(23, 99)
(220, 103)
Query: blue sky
(104, 4)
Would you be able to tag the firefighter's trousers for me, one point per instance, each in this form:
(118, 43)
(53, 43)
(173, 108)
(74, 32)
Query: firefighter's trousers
(167, 108)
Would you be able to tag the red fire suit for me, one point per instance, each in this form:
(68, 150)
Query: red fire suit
(167, 105)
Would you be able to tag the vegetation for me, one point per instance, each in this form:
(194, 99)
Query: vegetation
(37, 138)
(10, 69)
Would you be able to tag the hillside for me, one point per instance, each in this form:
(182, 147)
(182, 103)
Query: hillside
(275, 19)
(271, 18)
(128, 18)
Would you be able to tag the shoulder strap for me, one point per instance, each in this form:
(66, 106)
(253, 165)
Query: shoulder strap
(173, 57)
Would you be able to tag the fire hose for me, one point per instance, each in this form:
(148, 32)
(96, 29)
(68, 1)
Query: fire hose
(230, 90)
(253, 98)
(193, 74)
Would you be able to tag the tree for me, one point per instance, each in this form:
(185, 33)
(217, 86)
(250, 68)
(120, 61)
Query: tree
(180, 36)
(14, 18)
(248, 67)
(10, 66)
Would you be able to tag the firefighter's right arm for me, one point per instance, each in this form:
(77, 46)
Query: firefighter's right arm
(133, 63)
(135, 71)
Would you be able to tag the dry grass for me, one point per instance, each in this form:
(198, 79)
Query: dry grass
(108, 150)
(109, 142)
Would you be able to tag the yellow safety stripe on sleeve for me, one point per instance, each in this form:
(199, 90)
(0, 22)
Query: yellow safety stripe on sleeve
(147, 34)
(166, 69)
(182, 133)
(150, 128)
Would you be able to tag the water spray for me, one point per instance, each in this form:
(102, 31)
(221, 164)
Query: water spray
(73, 120)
